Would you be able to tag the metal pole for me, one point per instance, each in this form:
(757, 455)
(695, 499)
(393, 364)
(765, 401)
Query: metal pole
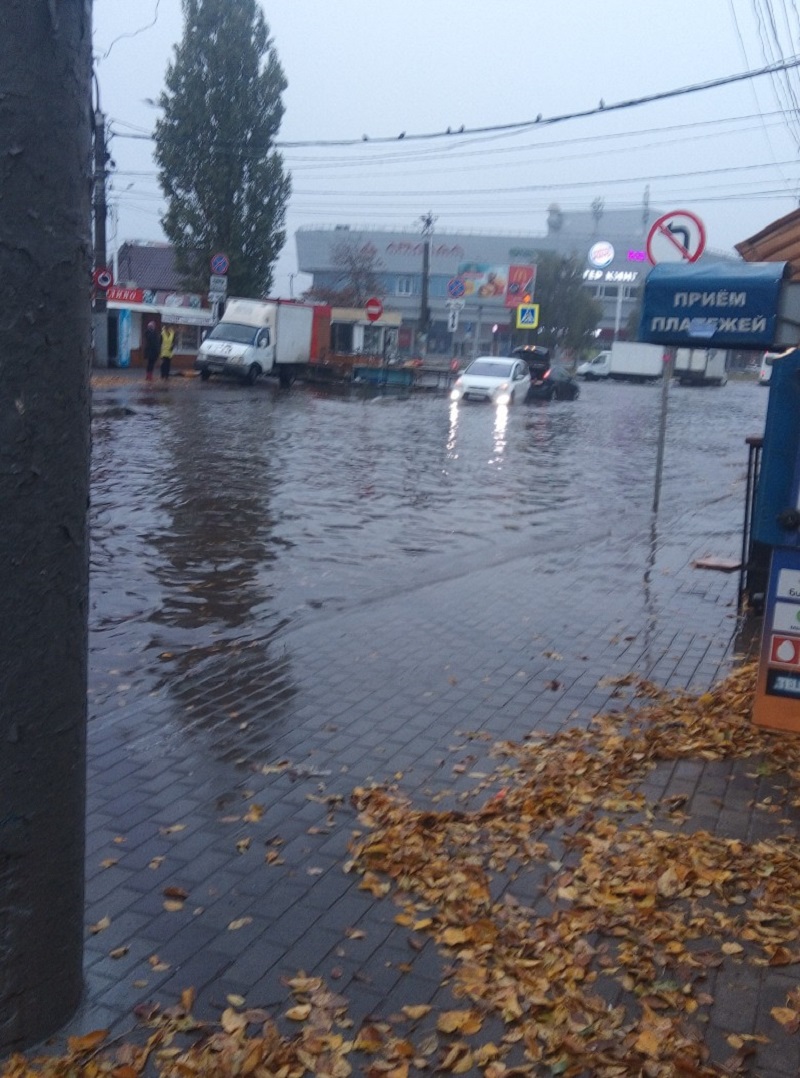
(669, 362)
(100, 320)
(618, 314)
(424, 312)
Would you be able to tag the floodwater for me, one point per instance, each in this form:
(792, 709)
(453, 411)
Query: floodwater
(221, 515)
(215, 499)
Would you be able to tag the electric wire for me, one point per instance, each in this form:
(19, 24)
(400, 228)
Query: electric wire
(135, 33)
(542, 121)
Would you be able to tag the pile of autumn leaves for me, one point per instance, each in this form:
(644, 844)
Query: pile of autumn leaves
(581, 924)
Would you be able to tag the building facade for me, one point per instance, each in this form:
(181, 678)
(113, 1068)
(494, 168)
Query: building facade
(611, 245)
(147, 287)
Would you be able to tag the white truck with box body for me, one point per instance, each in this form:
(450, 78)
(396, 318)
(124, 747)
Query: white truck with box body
(701, 366)
(627, 360)
(256, 337)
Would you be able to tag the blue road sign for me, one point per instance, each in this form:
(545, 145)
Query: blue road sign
(220, 263)
(455, 288)
(528, 316)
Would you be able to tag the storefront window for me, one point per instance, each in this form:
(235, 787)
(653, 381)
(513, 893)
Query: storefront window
(372, 340)
(187, 338)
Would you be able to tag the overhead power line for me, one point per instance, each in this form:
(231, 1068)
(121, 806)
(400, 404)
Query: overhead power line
(135, 33)
(539, 121)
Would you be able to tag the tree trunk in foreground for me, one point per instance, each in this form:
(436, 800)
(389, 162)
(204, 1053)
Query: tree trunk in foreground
(45, 101)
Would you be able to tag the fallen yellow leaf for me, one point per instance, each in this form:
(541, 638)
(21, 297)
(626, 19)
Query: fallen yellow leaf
(417, 1011)
(732, 948)
(299, 1013)
(786, 1017)
(88, 1042)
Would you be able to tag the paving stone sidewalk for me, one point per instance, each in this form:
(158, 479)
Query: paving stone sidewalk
(384, 690)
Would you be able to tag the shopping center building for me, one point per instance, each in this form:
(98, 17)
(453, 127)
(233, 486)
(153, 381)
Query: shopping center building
(610, 244)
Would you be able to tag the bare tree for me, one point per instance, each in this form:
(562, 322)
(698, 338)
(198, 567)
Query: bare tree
(598, 205)
(356, 277)
(45, 147)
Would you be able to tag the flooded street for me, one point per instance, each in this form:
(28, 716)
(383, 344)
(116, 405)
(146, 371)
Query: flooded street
(222, 502)
(226, 518)
(232, 501)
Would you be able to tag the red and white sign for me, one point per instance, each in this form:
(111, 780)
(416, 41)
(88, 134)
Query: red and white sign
(103, 277)
(601, 254)
(785, 650)
(678, 236)
(520, 285)
(125, 295)
(374, 309)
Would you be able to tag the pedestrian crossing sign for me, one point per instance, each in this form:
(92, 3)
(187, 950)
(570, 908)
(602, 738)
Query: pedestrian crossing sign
(527, 316)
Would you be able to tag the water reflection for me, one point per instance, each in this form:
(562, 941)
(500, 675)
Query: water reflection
(215, 559)
(198, 527)
(500, 425)
(452, 434)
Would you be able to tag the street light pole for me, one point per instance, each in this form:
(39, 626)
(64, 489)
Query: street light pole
(424, 311)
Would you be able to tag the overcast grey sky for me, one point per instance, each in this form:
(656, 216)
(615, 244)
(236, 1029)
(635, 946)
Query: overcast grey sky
(356, 67)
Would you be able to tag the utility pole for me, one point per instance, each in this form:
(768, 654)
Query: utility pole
(45, 323)
(100, 320)
(424, 310)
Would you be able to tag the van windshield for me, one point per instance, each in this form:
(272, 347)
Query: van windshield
(233, 331)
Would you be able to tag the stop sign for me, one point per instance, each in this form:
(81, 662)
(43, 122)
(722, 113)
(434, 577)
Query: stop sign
(374, 309)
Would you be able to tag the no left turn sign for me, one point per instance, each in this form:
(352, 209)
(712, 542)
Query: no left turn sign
(678, 236)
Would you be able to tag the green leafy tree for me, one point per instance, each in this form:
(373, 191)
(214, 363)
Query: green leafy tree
(356, 277)
(224, 181)
(568, 316)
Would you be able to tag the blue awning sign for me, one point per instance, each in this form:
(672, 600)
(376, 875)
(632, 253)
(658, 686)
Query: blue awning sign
(728, 304)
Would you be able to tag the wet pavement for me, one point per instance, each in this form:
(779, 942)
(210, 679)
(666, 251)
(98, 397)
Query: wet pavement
(295, 593)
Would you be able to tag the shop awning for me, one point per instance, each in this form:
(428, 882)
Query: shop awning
(177, 316)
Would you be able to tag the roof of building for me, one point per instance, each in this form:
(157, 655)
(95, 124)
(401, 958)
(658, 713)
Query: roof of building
(778, 242)
(148, 265)
(400, 250)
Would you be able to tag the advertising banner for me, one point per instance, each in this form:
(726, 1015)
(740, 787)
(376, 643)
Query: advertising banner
(488, 283)
(521, 281)
(124, 338)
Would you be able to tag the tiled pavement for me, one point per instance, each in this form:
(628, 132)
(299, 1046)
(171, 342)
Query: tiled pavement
(384, 690)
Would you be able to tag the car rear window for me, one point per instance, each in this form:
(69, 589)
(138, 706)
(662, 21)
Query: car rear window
(488, 369)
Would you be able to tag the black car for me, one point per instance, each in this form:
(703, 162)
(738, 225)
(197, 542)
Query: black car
(555, 383)
(548, 381)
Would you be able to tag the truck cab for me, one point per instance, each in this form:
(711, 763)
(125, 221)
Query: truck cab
(241, 345)
(599, 367)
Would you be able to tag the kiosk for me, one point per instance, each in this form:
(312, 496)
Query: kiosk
(776, 523)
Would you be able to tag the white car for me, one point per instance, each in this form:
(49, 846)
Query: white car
(496, 379)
